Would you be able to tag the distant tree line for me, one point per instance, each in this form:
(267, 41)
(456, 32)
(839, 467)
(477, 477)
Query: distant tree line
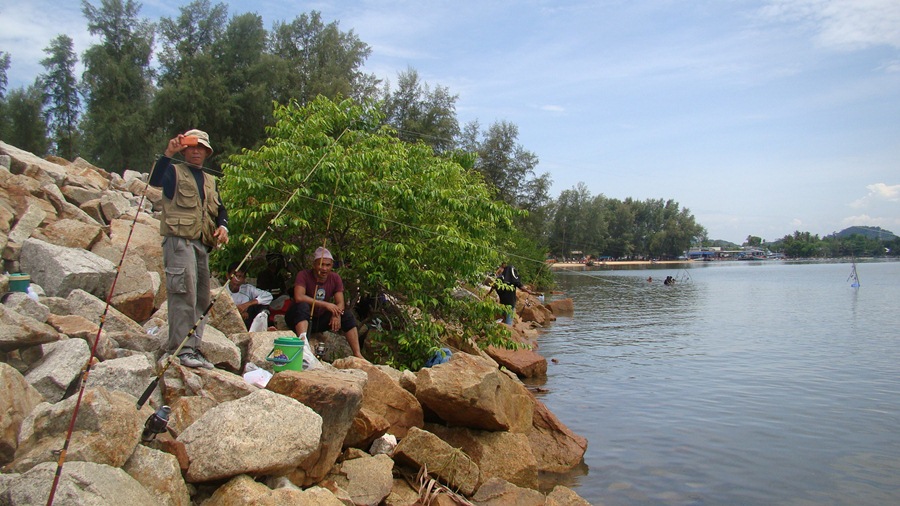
(228, 73)
(807, 245)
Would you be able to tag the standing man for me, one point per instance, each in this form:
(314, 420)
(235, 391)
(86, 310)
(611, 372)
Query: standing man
(193, 222)
(322, 287)
(249, 299)
(506, 284)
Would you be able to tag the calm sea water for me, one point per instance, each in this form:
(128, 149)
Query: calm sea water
(751, 383)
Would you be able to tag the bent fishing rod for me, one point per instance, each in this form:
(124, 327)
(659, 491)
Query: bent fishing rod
(155, 382)
(87, 368)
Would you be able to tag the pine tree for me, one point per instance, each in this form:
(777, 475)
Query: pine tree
(61, 96)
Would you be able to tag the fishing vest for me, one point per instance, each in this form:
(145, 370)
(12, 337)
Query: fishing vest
(186, 215)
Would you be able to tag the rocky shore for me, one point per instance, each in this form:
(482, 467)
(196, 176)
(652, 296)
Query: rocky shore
(344, 433)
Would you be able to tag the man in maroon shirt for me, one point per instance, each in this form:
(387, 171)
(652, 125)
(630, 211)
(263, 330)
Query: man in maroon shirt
(321, 290)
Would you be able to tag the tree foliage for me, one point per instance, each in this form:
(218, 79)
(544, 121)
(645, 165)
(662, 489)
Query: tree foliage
(420, 114)
(807, 245)
(320, 60)
(400, 221)
(62, 99)
(118, 86)
(24, 111)
(604, 227)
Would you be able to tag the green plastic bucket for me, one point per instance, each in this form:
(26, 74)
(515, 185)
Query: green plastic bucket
(287, 354)
(19, 282)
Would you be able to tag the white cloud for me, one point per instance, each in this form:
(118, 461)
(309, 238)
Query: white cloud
(878, 192)
(553, 108)
(842, 24)
(870, 221)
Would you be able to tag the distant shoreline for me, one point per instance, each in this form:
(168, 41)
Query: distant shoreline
(614, 263)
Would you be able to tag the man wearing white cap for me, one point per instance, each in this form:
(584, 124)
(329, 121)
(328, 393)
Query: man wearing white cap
(193, 222)
(323, 288)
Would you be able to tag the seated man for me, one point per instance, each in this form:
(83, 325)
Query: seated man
(249, 299)
(322, 289)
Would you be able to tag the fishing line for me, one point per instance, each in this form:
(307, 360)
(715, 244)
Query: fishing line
(153, 384)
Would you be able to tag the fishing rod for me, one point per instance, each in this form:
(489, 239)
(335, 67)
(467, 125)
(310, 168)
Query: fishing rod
(87, 368)
(155, 382)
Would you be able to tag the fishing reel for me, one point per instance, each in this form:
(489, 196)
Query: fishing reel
(157, 423)
(320, 349)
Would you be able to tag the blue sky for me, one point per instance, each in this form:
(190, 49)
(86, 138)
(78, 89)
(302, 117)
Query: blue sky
(761, 116)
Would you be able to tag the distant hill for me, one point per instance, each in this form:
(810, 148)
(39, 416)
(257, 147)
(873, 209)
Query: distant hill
(726, 245)
(867, 232)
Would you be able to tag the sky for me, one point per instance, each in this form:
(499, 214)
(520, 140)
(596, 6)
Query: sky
(762, 117)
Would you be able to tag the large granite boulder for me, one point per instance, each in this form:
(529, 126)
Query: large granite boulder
(81, 483)
(107, 429)
(556, 448)
(262, 433)
(17, 399)
(387, 398)
(524, 363)
(19, 331)
(471, 391)
(59, 368)
(337, 397)
(501, 454)
(160, 475)
(449, 465)
(61, 270)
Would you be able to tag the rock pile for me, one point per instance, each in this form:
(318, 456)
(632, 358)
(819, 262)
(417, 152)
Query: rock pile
(468, 430)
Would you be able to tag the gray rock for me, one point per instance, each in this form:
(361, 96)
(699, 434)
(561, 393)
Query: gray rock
(28, 222)
(25, 305)
(128, 374)
(61, 270)
(81, 483)
(261, 433)
(160, 475)
(20, 331)
(107, 430)
(17, 399)
(448, 465)
(220, 350)
(60, 366)
(114, 204)
(119, 326)
(367, 480)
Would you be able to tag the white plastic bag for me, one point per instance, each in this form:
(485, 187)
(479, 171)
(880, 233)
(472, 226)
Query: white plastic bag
(309, 356)
(260, 322)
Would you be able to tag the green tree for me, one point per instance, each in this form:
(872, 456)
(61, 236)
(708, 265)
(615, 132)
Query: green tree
(118, 86)
(248, 73)
(320, 59)
(4, 68)
(420, 114)
(400, 220)
(63, 102)
(191, 93)
(27, 127)
(754, 241)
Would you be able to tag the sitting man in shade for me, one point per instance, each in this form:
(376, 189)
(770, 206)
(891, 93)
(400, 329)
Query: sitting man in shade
(249, 299)
(322, 289)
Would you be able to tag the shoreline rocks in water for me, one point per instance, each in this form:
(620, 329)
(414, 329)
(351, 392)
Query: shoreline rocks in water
(323, 436)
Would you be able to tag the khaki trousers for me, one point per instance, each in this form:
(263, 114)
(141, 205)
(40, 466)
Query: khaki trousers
(187, 282)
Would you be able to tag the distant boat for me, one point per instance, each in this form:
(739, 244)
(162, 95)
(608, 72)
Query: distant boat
(853, 276)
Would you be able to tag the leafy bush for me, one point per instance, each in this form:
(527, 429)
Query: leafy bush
(401, 222)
